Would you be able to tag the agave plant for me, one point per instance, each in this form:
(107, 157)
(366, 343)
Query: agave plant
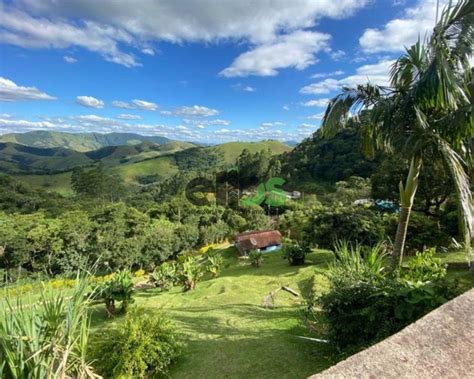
(47, 339)
(426, 111)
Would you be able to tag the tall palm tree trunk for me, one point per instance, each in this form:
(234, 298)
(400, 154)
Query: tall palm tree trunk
(407, 195)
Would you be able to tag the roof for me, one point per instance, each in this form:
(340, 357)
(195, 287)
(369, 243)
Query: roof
(257, 239)
(439, 345)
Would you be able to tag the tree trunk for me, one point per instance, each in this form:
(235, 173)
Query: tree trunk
(407, 195)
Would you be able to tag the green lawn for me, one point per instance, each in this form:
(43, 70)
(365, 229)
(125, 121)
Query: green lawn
(229, 334)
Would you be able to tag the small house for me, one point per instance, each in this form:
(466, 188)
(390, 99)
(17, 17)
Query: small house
(265, 241)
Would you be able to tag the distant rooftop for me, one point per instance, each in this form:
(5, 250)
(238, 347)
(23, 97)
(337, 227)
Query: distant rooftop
(439, 345)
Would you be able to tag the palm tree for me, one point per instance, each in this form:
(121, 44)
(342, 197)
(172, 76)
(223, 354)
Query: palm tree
(426, 111)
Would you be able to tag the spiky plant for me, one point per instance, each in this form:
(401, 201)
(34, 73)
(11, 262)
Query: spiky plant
(47, 339)
(426, 111)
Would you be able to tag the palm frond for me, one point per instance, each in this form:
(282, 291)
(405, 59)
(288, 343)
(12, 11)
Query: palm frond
(461, 180)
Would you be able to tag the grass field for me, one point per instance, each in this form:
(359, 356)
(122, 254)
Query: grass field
(229, 334)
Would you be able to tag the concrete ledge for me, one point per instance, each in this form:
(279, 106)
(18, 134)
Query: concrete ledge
(439, 345)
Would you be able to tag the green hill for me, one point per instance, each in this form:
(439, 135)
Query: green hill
(131, 162)
(231, 150)
(15, 158)
(79, 141)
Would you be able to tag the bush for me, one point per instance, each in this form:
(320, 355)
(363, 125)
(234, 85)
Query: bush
(256, 258)
(118, 288)
(190, 272)
(424, 267)
(214, 263)
(295, 252)
(366, 303)
(144, 346)
(423, 232)
(164, 276)
(355, 223)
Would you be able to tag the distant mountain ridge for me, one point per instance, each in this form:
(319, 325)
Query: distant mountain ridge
(80, 142)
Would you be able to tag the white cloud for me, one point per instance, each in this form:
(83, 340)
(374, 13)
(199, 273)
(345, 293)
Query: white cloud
(286, 108)
(417, 21)
(13, 124)
(69, 59)
(113, 24)
(145, 105)
(148, 51)
(271, 124)
(317, 116)
(166, 113)
(245, 88)
(10, 91)
(337, 55)
(197, 111)
(122, 104)
(377, 73)
(320, 75)
(203, 123)
(128, 116)
(295, 50)
(320, 103)
(248, 89)
(89, 101)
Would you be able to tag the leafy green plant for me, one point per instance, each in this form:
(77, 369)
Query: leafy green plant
(295, 252)
(357, 261)
(118, 288)
(47, 339)
(214, 263)
(143, 346)
(190, 272)
(256, 258)
(164, 276)
(366, 302)
(424, 267)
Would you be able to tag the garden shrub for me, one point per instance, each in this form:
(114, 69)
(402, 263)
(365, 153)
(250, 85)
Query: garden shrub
(189, 271)
(164, 276)
(118, 288)
(366, 304)
(256, 258)
(143, 346)
(295, 252)
(214, 263)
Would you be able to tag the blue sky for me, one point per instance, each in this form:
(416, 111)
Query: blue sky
(203, 71)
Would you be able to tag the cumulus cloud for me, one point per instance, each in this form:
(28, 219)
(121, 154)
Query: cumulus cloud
(271, 124)
(286, 108)
(307, 126)
(320, 75)
(417, 21)
(377, 73)
(89, 101)
(122, 104)
(112, 24)
(69, 59)
(316, 103)
(317, 116)
(145, 105)
(203, 123)
(148, 51)
(10, 91)
(295, 50)
(196, 111)
(128, 116)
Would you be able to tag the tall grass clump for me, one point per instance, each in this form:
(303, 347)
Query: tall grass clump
(47, 339)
